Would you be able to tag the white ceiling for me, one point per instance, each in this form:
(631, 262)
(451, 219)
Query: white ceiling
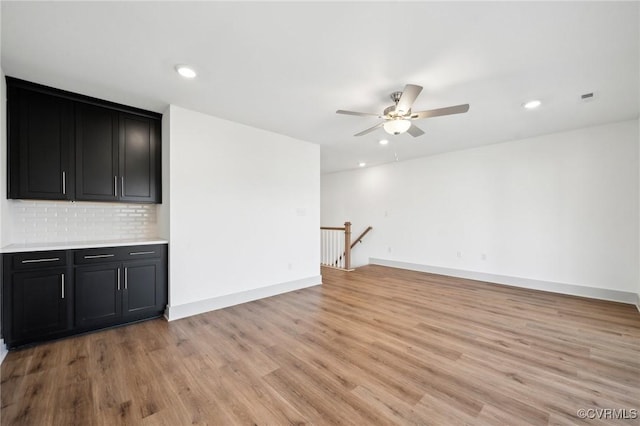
(286, 67)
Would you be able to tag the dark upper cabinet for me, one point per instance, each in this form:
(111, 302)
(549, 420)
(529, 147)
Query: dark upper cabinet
(139, 159)
(96, 153)
(65, 146)
(40, 148)
(117, 156)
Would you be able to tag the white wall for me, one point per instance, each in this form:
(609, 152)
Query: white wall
(560, 208)
(3, 183)
(3, 176)
(5, 228)
(243, 212)
(163, 211)
(638, 295)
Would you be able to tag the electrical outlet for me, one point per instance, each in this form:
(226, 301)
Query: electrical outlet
(389, 249)
(459, 255)
(483, 256)
(290, 266)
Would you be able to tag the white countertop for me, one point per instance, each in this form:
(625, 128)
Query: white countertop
(16, 248)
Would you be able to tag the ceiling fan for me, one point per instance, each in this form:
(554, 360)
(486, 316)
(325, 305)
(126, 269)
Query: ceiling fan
(398, 117)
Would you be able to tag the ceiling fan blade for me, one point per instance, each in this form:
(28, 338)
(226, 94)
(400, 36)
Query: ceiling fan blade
(415, 131)
(458, 109)
(370, 129)
(409, 95)
(361, 114)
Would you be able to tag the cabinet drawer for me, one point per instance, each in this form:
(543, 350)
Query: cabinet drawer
(142, 252)
(117, 254)
(39, 259)
(98, 255)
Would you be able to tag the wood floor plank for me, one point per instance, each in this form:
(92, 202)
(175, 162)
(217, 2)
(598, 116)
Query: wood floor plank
(374, 346)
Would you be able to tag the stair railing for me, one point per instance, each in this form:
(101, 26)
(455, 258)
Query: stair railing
(336, 245)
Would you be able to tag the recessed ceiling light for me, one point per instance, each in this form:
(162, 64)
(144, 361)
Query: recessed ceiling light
(185, 71)
(362, 164)
(533, 104)
(383, 142)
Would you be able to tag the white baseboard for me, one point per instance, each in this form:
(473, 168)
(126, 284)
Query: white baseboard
(554, 287)
(3, 350)
(638, 302)
(194, 308)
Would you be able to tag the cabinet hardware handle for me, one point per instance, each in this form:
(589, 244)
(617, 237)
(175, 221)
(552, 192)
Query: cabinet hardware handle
(126, 277)
(122, 186)
(50, 259)
(118, 279)
(98, 256)
(64, 183)
(115, 185)
(62, 284)
(136, 253)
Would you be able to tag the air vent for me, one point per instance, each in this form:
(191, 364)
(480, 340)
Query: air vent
(587, 97)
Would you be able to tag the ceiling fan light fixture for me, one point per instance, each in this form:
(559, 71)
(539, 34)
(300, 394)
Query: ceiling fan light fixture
(397, 126)
(398, 117)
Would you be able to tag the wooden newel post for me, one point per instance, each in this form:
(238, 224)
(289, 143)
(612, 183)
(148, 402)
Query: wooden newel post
(347, 245)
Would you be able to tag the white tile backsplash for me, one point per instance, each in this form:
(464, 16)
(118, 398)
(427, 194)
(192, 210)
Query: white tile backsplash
(64, 221)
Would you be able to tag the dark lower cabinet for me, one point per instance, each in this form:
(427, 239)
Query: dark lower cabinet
(110, 293)
(142, 292)
(98, 295)
(53, 294)
(37, 296)
(40, 302)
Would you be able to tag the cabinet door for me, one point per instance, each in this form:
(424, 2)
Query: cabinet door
(143, 290)
(139, 159)
(96, 153)
(98, 295)
(40, 302)
(40, 146)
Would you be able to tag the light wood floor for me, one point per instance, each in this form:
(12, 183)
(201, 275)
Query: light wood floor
(375, 346)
